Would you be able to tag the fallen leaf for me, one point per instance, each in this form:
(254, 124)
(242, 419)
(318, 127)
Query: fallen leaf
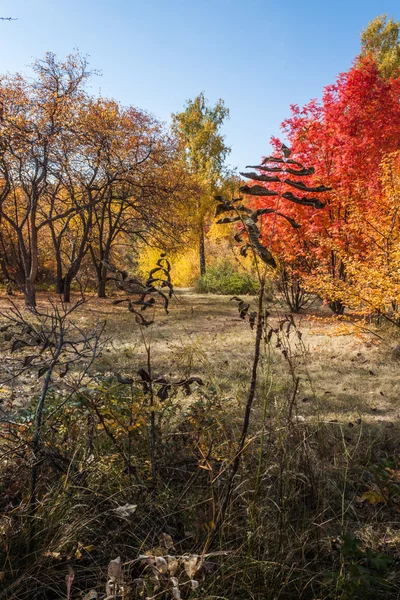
(373, 497)
(91, 595)
(127, 510)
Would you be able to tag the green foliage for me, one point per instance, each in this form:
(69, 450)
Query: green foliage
(385, 479)
(224, 278)
(362, 571)
(382, 39)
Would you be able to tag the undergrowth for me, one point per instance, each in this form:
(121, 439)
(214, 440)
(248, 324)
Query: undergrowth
(314, 510)
(224, 278)
(298, 525)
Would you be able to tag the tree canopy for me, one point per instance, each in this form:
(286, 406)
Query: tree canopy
(199, 129)
(381, 38)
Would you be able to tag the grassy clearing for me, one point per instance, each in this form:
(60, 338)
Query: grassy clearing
(299, 525)
(345, 373)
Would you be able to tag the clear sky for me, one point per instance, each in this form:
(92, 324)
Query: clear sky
(260, 56)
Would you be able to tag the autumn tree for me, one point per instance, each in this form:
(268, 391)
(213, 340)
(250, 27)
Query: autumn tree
(381, 38)
(345, 137)
(373, 264)
(34, 116)
(198, 128)
(91, 162)
(280, 196)
(80, 176)
(144, 194)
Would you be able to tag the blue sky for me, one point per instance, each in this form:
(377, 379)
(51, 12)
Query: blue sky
(260, 56)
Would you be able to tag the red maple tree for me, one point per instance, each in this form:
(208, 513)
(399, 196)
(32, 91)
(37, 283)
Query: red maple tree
(344, 137)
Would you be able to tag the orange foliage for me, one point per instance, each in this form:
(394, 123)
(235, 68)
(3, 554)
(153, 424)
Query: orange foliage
(345, 138)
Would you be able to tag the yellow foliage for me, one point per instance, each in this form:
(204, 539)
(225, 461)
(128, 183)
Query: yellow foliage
(185, 268)
(184, 264)
(373, 272)
(373, 497)
(366, 273)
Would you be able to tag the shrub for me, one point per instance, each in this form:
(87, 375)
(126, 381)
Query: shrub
(224, 278)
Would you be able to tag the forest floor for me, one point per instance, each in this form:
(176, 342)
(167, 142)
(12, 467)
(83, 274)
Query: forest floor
(346, 372)
(319, 471)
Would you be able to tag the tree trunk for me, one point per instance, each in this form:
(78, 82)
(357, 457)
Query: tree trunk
(338, 272)
(101, 273)
(60, 285)
(4, 270)
(30, 293)
(67, 287)
(101, 288)
(337, 307)
(202, 252)
(100, 269)
(60, 280)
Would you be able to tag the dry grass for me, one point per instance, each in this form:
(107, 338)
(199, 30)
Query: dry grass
(343, 376)
(301, 479)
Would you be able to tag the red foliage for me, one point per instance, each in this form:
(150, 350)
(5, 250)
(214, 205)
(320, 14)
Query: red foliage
(345, 138)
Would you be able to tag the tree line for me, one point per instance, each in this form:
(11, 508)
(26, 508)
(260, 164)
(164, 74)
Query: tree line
(82, 179)
(85, 182)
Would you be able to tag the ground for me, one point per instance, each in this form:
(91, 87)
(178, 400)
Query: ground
(319, 466)
(346, 373)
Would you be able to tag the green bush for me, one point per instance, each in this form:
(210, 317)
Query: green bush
(224, 278)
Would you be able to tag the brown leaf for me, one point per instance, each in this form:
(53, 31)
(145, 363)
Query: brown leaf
(166, 541)
(18, 344)
(114, 569)
(91, 595)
